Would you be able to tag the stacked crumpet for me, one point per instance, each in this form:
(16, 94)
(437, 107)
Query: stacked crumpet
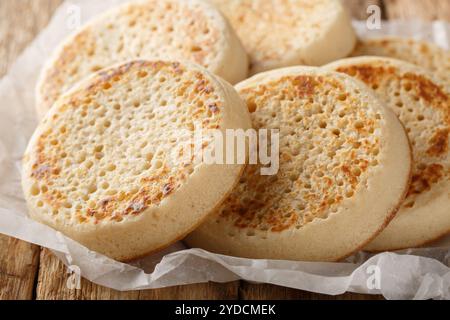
(361, 144)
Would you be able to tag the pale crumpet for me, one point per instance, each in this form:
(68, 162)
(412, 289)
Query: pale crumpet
(283, 33)
(345, 165)
(101, 166)
(177, 30)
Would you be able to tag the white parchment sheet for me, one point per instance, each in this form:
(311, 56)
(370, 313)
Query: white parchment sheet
(419, 274)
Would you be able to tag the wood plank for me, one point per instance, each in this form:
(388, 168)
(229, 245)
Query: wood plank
(215, 291)
(19, 262)
(426, 10)
(53, 278)
(20, 21)
(249, 291)
(358, 8)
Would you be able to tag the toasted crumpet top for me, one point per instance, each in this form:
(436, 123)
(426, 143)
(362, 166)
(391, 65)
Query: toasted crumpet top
(424, 54)
(337, 144)
(422, 103)
(104, 165)
(290, 32)
(162, 29)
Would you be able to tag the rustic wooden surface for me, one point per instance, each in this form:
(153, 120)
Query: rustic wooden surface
(27, 272)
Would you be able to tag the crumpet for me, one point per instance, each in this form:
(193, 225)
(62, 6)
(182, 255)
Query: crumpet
(422, 103)
(192, 30)
(285, 33)
(345, 165)
(105, 166)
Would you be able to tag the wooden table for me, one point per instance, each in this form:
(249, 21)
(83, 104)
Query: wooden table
(29, 272)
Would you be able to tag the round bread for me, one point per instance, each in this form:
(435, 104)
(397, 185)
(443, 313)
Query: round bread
(191, 30)
(345, 166)
(423, 105)
(285, 33)
(424, 54)
(106, 165)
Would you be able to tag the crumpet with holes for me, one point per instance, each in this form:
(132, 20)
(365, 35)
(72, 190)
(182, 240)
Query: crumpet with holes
(287, 33)
(345, 165)
(177, 30)
(421, 53)
(422, 103)
(105, 166)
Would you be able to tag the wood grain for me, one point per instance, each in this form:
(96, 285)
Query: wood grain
(427, 10)
(270, 292)
(26, 272)
(19, 263)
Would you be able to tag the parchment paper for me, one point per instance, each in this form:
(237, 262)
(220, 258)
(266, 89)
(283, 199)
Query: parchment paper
(412, 274)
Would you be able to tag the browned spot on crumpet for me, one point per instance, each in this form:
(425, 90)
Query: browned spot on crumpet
(367, 73)
(439, 143)
(103, 203)
(425, 88)
(213, 108)
(167, 189)
(428, 90)
(41, 172)
(280, 225)
(353, 179)
(202, 87)
(106, 76)
(423, 180)
(305, 85)
(424, 49)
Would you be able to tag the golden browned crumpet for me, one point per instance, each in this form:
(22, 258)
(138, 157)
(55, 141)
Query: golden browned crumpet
(285, 33)
(345, 166)
(422, 103)
(191, 30)
(424, 54)
(100, 166)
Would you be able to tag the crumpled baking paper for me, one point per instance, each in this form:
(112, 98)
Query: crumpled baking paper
(413, 274)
